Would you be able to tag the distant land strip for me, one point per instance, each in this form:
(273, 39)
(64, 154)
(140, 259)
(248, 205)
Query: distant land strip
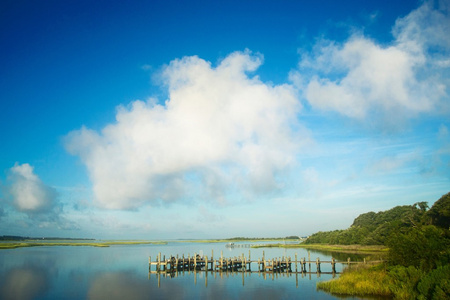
(13, 245)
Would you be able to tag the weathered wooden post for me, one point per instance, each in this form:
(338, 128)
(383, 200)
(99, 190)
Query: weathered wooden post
(333, 265)
(264, 261)
(296, 270)
(195, 261)
(348, 262)
(318, 265)
(159, 262)
(165, 263)
(309, 261)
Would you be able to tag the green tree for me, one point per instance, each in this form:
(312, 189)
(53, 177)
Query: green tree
(440, 212)
(426, 248)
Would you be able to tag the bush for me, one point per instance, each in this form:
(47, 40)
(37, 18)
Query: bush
(436, 284)
(404, 281)
(425, 248)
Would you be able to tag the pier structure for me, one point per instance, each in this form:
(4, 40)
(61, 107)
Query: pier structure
(243, 264)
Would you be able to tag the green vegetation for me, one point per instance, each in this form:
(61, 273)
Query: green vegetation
(370, 249)
(362, 280)
(372, 228)
(14, 245)
(418, 257)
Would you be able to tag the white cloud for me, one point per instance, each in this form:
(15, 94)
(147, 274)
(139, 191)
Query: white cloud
(219, 126)
(360, 78)
(29, 194)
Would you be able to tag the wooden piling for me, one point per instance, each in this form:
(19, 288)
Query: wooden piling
(318, 265)
(333, 265)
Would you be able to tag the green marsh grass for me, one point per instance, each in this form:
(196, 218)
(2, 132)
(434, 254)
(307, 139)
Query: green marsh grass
(360, 280)
(332, 248)
(13, 245)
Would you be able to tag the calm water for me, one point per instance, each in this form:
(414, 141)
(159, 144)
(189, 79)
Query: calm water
(121, 272)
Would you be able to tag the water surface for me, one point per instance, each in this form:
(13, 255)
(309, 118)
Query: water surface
(122, 272)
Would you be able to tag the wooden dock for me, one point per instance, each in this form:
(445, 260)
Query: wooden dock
(243, 264)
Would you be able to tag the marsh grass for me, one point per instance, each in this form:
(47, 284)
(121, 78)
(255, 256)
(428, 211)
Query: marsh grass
(233, 240)
(361, 280)
(74, 243)
(333, 248)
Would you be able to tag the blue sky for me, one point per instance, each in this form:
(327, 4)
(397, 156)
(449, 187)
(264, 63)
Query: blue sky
(215, 119)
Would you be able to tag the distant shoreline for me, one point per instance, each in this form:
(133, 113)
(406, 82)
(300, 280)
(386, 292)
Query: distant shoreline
(14, 245)
(39, 242)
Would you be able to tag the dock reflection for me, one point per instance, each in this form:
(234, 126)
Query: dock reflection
(243, 273)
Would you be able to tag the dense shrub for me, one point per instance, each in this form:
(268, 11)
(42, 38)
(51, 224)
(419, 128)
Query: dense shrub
(404, 281)
(426, 248)
(436, 284)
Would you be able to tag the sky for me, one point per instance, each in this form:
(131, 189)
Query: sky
(216, 119)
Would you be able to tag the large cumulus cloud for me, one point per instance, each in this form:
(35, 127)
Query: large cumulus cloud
(220, 129)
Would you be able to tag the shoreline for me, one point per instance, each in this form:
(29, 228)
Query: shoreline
(4, 245)
(15, 245)
(355, 249)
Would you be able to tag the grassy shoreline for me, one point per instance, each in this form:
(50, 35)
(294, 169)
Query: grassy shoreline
(233, 240)
(356, 249)
(107, 243)
(361, 280)
(14, 245)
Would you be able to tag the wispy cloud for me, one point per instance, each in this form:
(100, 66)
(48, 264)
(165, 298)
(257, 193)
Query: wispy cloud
(37, 202)
(219, 125)
(385, 85)
(29, 194)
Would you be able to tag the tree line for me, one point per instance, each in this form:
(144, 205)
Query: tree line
(377, 228)
(418, 239)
